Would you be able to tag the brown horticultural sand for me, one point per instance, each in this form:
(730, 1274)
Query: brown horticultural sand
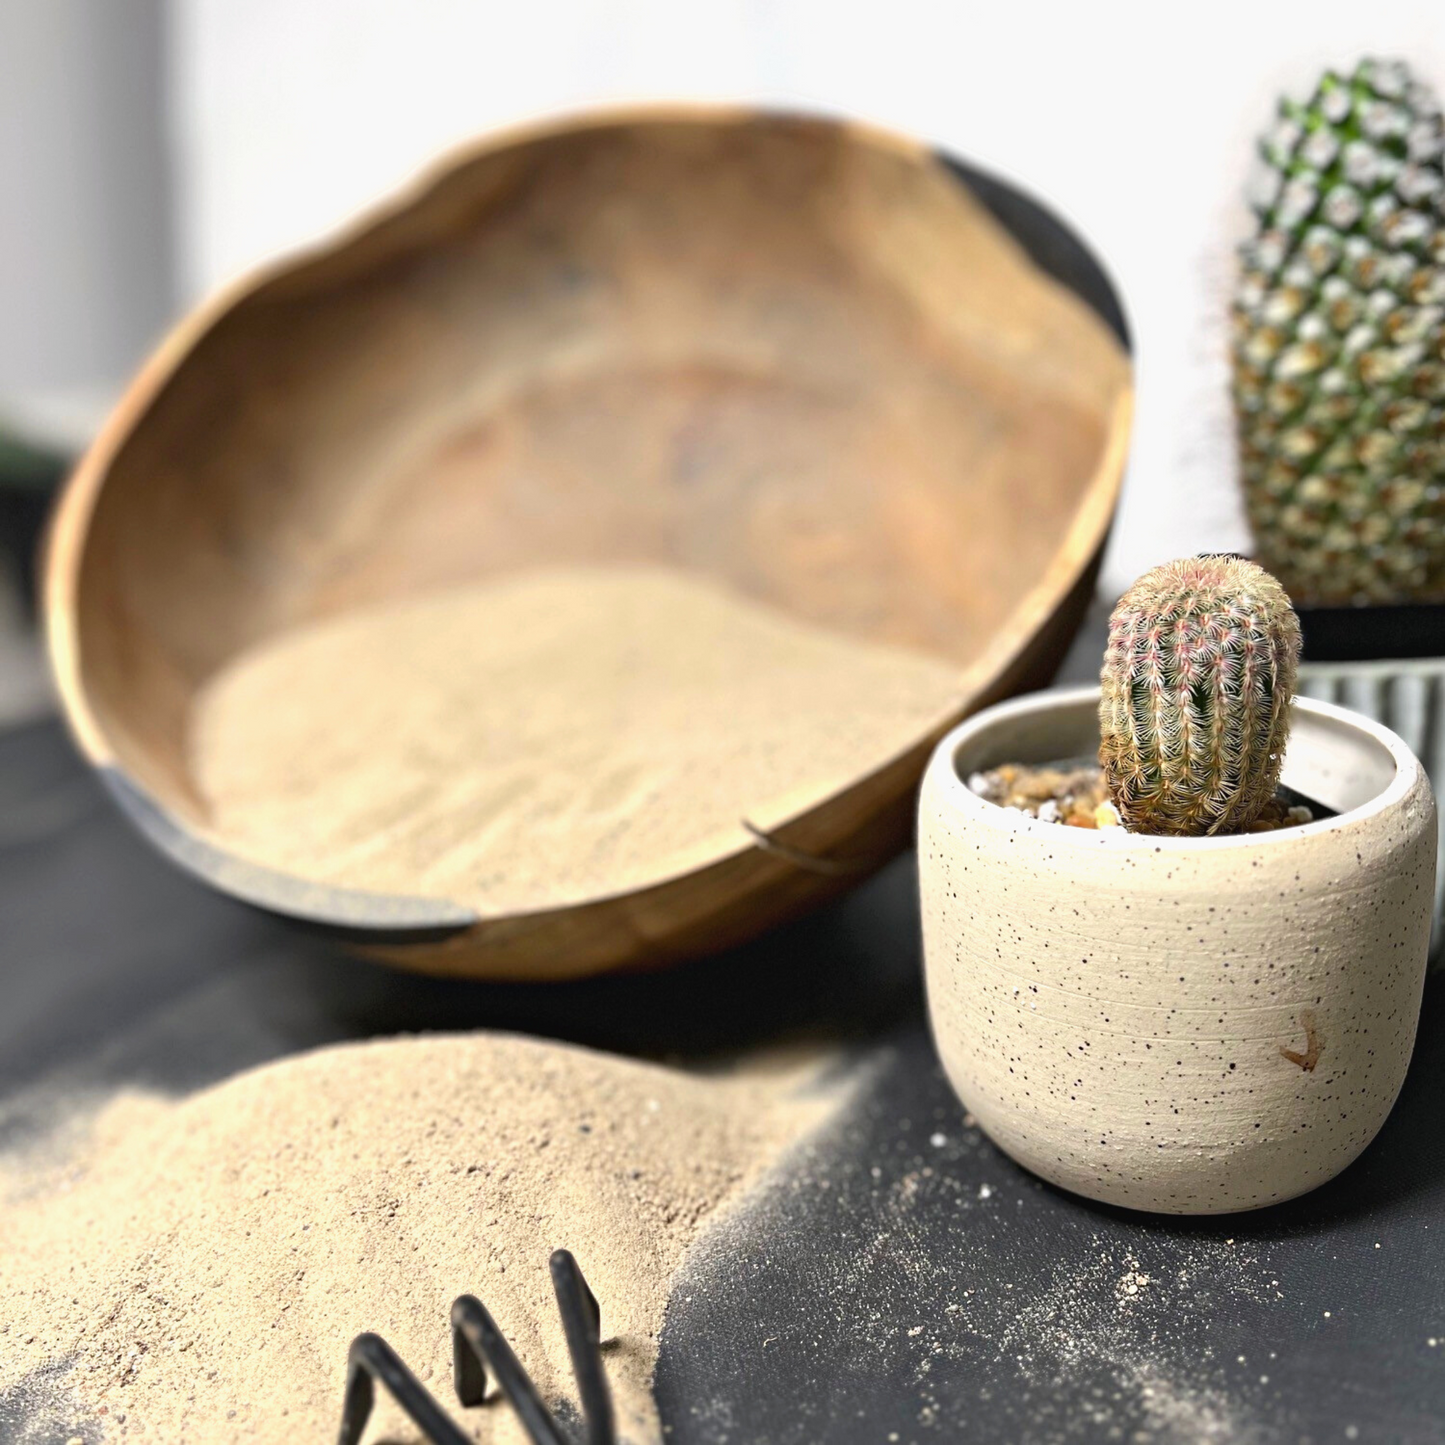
(397, 748)
(197, 1269)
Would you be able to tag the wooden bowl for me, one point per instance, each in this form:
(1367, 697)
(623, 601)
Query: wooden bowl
(821, 370)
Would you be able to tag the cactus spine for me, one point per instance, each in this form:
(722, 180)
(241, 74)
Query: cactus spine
(1196, 691)
(1339, 343)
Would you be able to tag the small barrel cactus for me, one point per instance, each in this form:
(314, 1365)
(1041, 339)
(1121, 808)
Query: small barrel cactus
(1197, 685)
(1339, 343)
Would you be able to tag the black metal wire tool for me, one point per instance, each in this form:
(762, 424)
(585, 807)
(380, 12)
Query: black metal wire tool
(478, 1346)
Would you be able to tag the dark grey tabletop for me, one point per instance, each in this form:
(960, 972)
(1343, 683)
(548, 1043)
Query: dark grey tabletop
(907, 1283)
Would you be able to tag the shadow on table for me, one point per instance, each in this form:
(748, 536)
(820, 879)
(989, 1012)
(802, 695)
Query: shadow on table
(121, 970)
(848, 971)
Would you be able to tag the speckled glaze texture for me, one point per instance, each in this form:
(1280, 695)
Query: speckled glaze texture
(1184, 1025)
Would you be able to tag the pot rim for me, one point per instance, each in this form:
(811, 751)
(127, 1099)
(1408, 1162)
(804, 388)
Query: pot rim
(944, 781)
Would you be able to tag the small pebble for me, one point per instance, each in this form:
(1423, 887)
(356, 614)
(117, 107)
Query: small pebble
(1074, 794)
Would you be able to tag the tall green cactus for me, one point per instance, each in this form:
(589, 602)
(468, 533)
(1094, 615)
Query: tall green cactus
(1195, 706)
(1339, 343)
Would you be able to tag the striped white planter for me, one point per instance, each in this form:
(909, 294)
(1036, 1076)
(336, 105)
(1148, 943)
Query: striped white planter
(1408, 697)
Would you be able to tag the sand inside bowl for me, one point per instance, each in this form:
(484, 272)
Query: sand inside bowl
(545, 738)
(197, 1270)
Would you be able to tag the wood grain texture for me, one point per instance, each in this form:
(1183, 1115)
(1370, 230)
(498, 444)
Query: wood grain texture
(791, 357)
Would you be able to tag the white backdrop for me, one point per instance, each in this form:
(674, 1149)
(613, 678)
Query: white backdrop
(87, 269)
(1135, 119)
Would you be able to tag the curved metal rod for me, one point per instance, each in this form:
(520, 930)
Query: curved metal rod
(475, 1335)
(582, 1324)
(370, 1360)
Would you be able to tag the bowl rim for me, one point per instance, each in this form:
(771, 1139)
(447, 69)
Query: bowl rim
(945, 782)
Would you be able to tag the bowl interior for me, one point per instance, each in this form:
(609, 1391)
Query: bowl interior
(785, 357)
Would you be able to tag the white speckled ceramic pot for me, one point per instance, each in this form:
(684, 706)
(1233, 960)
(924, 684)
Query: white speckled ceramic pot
(1185, 1025)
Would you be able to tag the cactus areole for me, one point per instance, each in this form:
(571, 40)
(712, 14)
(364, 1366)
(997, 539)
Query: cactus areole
(1197, 685)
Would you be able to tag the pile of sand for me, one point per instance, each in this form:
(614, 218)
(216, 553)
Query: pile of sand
(197, 1271)
(547, 738)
